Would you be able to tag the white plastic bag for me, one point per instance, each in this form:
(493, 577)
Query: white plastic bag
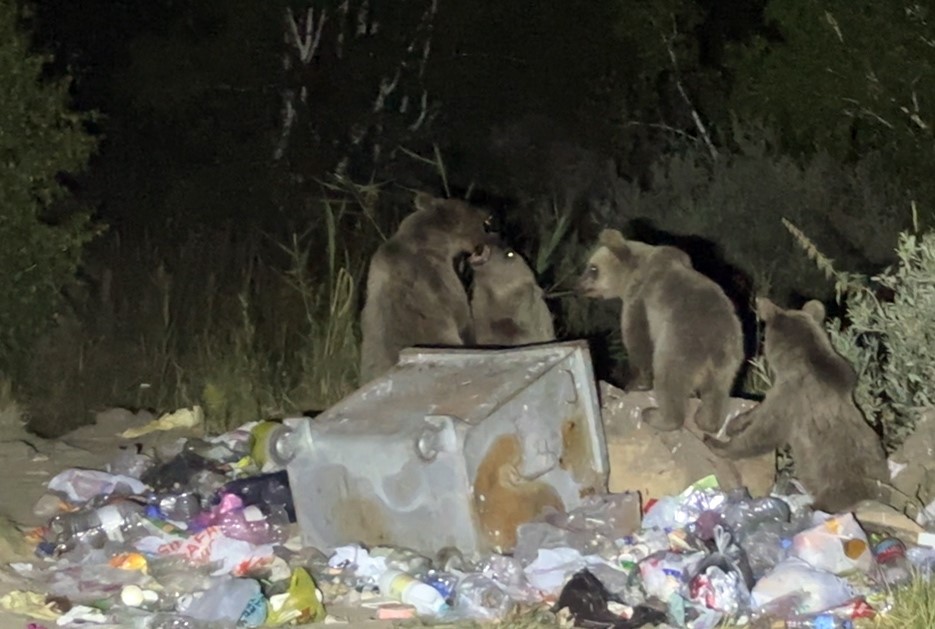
(837, 545)
(803, 588)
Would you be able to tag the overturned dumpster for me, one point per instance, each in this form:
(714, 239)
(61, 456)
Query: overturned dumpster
(450, 448)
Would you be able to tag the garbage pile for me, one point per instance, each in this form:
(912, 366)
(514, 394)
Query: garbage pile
(201, 535)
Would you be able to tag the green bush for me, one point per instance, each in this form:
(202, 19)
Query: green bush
(887, 333)
(40, 138)
(739, 200)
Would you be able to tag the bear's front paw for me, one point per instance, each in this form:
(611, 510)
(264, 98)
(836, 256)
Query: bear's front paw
(714, 444)
(639, 383)
(654, 418)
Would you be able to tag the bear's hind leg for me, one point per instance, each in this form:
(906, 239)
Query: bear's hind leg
(714, 401)
(673, 392)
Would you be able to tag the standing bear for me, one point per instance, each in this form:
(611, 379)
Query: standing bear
(507, 302)
(681, 332)
(414, 295)
(810, 406)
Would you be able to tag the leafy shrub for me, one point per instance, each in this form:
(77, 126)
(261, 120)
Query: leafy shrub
(887, 334)
(40, 138)
(738, 201)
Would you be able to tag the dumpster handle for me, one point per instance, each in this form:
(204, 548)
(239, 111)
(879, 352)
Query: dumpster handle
(574, 387)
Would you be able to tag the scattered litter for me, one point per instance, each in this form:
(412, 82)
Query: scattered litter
(183, 418)
(203, 533)
(30, 604)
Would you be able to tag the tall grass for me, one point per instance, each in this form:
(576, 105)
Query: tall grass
(247, 326)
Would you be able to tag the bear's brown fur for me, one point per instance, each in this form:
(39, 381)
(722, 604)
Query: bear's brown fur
(810, 406)
(414, 295)
(681, 332)
(507, 302)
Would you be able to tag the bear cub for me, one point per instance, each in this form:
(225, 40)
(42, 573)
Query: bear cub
(810, 406)
(681, 332)
(507, 302)
(414, 295)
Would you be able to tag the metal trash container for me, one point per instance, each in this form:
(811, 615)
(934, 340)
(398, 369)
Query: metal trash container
(452, 447)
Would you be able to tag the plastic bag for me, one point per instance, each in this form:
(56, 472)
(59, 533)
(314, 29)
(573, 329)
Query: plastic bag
(664, 573)
(837, 545)
(801, 588)
(720, 590)
(80, 485)
(673, 512)
(301, 603)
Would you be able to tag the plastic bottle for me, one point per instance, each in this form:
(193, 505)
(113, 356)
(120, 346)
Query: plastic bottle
(108, 521)
(406, 588)
(819, 621)
(892, 565)
(745, 515)
(252, 525)
(765, 547)
(445, 582)
(180, 507)
(130, 463)
(478, 596)
(269, 440)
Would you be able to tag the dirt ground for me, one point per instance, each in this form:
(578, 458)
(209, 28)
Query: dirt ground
(29, 462)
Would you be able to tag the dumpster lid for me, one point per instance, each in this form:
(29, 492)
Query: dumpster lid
(470, 384)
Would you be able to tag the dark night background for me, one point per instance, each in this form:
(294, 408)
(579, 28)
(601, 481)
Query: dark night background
(231, 267)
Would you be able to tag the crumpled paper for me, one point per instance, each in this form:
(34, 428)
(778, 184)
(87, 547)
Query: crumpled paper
(182, 418)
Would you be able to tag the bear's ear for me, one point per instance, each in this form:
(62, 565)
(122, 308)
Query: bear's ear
(614, 240)
(765, 309)
(816, 310)
(425, 201)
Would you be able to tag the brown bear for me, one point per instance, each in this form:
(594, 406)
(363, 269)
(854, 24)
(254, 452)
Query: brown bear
(507, 302)
(681, 332)
(414, 295)
(810, 406)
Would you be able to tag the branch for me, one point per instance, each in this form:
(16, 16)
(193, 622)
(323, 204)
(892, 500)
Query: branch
(696, 117)
(663, 127)
(308, 44)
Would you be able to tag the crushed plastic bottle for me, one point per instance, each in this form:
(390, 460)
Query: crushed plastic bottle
(480, 597)
(107, 522)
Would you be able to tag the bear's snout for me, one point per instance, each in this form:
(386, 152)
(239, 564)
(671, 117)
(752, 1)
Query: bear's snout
(479, 256)
(585, 285)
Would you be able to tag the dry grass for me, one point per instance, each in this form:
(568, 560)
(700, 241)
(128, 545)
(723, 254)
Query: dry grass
(11, 414)
(248, 327)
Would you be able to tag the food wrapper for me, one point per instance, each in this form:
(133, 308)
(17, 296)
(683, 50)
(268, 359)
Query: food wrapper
(301, 603)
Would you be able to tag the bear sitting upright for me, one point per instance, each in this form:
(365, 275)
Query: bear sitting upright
(810, 406)
(414, 295)
(507, 302)
(681, 332)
